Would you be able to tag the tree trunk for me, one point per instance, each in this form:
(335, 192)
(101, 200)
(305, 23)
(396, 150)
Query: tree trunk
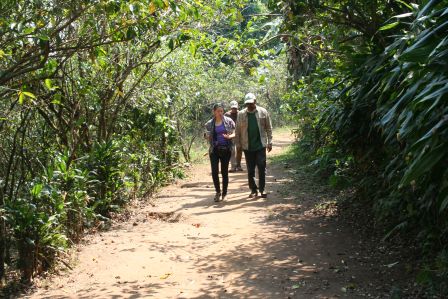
(27, 259)
(2, 238)
(102, 121)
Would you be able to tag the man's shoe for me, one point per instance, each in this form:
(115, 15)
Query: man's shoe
(253, 194)
(217, 196)
(238, 168)
(263, 194)
(224, 197)
(233, 170)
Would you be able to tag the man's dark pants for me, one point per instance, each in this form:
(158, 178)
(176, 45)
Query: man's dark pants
(224, 158)
(256, 159)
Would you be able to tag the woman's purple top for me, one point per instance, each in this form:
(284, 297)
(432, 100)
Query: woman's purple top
(220, 130)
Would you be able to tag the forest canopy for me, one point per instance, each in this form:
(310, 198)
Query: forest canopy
(102, 102)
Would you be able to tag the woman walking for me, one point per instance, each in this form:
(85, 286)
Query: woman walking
(219, 131)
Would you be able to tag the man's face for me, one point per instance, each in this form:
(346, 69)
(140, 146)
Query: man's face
(234, 110)
(251, 107)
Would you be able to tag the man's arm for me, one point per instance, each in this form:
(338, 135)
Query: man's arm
(237, 137)
(232, 124)
(268, 130)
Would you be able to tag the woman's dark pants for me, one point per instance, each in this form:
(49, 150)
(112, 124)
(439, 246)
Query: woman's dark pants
(224, 158)
(256, 159)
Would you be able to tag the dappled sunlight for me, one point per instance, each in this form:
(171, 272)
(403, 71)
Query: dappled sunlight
(115, 116)
(240, 248)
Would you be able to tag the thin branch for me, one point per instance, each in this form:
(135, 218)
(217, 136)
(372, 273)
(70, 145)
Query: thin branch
(265, 15)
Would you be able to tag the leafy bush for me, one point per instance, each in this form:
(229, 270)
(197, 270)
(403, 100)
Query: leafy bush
(93, 114)
(398, 106)
(106, 173)
(387, 121)
(38, 221)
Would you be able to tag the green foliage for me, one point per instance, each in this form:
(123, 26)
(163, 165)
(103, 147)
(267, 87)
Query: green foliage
(401, 98)
(40, 220)
(188, 88)
(373, 112)
(106, 171)
(99, 100)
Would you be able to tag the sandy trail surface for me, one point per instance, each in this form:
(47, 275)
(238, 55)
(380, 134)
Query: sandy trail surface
(184, 245)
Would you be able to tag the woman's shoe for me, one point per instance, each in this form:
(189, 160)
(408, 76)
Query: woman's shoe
(253, 194)
(224, 197)
(217, 196)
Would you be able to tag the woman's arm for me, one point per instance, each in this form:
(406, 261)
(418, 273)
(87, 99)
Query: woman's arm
(208, 130)
(229, 136)
(232, 128)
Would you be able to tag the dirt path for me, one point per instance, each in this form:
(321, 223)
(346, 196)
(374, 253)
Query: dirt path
(242, 248)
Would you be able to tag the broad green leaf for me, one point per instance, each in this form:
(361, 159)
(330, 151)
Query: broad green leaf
(36, 190)
(389, 26)
(29, 94)
(48, 84)
(436, 94)
(29, 30)
(429, 5)
(404, 3)
(431, 132)
(21, 97)
(57, 99)
(423, 163)
(171, 44)
(424, 45)
(192, 48)
(43, 37)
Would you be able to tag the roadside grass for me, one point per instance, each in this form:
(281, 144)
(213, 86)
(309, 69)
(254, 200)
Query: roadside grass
(306, 183)
(293, 156)
(199, 152)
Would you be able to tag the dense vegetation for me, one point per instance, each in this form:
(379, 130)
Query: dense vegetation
(369, 88)
(102, 101)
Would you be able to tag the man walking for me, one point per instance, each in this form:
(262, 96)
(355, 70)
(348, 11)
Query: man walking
(253, 134)
(237, 152)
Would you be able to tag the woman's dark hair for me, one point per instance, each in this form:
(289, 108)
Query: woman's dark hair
(217, 105)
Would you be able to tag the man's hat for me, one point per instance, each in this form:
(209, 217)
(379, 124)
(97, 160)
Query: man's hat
(234, 104)
(249, 98)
